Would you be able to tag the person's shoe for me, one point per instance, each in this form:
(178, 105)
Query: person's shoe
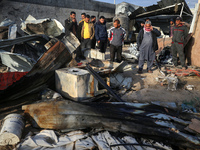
(150, 71)
(139, 71)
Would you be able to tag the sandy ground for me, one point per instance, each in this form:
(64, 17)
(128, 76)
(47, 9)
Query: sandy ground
(146, 88)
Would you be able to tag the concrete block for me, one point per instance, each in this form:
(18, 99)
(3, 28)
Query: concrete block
(95, 54)
(75, 83)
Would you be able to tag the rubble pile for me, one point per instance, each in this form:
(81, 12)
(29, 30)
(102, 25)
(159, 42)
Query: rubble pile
(65, 104)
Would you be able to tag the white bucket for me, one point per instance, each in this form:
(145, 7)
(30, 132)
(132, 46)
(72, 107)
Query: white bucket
(11, 131)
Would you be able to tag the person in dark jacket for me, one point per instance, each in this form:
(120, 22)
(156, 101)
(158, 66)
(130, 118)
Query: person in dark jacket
(71, 24)
(142, 25)
(101, 34)
(180, 33)
(147, 45)
(171, 27)
(93, 42)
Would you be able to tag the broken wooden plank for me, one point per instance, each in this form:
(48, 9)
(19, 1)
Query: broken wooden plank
(195, 125)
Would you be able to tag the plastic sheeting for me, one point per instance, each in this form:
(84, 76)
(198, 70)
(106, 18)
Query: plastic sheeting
(16, 62)
(47, 139)
(50, 27)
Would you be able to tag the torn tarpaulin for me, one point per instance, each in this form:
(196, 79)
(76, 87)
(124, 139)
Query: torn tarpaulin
(23, 56)
(6, 22)
(50, 27)
(16, 62)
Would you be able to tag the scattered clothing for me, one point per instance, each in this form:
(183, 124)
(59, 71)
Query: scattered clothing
(179, 35)
(147, 45)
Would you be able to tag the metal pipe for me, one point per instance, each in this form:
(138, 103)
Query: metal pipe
(157, 10)
(182, 9)
(96, 76)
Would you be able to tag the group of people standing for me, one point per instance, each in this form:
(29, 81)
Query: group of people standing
(147, 43)
(89, 32)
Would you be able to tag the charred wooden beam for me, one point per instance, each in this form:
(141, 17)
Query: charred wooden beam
(124, 117)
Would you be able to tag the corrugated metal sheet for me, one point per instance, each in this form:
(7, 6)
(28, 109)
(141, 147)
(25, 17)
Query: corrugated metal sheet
(42, 73)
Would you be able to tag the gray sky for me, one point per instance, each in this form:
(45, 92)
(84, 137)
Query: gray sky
(191, 3)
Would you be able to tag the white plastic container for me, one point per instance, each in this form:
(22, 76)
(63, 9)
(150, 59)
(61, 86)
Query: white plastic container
(12, 128)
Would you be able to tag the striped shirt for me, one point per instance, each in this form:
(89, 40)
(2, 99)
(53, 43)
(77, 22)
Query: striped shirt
(117, 36)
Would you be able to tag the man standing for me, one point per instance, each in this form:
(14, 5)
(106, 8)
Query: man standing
(83, 15)
(93, 20)
(147, 45)
(101, 34)
(87, 33)
(71, 24)
(116, 37)
(179, 35)
(171, 28)
(142, 25)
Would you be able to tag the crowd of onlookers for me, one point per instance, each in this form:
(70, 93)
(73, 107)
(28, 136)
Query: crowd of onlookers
(91, 33)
